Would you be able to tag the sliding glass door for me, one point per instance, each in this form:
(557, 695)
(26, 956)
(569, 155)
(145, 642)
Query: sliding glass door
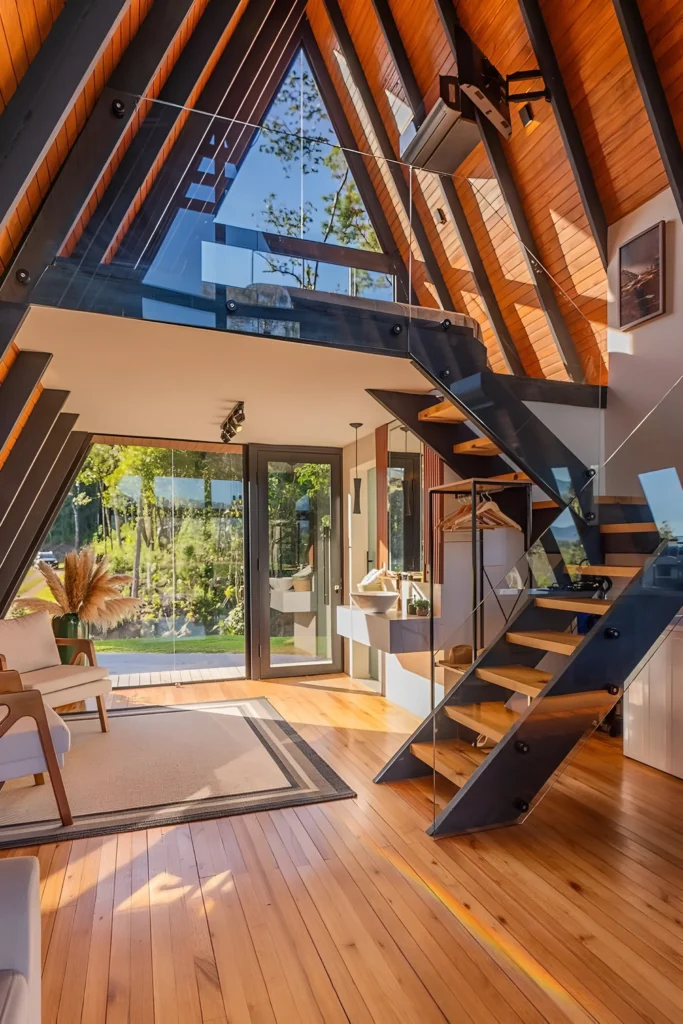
(296, 562)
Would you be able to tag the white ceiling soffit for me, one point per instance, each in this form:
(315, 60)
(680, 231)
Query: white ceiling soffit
(147, 379)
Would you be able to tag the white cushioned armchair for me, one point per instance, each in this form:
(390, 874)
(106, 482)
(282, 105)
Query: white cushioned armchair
(28, 646)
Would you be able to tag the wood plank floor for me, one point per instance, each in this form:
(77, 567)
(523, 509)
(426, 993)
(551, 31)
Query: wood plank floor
(348, 911)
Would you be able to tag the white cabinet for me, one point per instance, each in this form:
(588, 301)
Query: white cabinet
(653, 707)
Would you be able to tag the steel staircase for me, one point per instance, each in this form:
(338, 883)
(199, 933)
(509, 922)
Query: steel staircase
(498, 784)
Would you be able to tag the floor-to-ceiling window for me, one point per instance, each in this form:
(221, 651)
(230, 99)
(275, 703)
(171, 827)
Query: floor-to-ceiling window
(172, 519)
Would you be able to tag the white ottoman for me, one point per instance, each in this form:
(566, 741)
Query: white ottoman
(19, 941)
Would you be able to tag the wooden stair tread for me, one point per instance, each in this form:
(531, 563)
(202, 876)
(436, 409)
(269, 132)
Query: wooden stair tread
(521, 678)
(492, 719)
(454, 759)
(476, 446)
(627, 571)
(545, 640)
(443, 412)
(573, 604)
(512, 477)
(629, 528)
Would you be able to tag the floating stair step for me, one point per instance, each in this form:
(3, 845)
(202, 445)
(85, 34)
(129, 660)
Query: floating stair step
(443, 412)
(476, 446)
(529, 681)
(492, 719)
(512, 478)
(454, 759)
(627, 571)
(546, 640)
(574, 604)
(629, 528)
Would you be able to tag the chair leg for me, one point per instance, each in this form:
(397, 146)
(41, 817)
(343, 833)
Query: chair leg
(39, 779)
(55, 774)
(102, 712)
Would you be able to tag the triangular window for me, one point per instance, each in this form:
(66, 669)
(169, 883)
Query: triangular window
(293, 181)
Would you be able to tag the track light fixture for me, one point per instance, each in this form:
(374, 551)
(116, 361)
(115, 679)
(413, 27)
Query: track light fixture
(233, 423)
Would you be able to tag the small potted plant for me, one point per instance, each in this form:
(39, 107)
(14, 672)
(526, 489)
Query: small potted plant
(421, 606)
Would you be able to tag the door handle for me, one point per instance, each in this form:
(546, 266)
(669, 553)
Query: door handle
(337, 588)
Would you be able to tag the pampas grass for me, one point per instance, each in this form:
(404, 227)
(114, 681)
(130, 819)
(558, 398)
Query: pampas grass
(89, 590)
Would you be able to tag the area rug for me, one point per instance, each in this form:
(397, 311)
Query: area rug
(166, 765)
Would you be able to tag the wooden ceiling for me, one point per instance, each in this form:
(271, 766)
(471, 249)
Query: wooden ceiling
(604, 96)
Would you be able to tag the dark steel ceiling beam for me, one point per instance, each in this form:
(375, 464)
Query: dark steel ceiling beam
(468, 244)
(654, 96)
(566, 122)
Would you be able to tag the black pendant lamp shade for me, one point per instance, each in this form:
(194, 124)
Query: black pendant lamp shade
(356, 479)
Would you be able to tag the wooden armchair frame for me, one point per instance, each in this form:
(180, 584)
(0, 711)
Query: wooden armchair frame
(21, 703)
(81, 646)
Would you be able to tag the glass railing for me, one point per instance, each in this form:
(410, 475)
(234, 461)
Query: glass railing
(275, 229)
(561, 696)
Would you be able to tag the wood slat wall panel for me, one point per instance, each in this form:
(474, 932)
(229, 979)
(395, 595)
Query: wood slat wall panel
(604, 95)
(20, 45)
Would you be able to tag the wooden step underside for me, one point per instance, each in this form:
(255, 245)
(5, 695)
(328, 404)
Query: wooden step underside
(625, 571)
(454, 759)
(443, 412)
(588, 605)
(529, 681)
(476, 446)
(546, 640)
(629, 528)
(492, 719)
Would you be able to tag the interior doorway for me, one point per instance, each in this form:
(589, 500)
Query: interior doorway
(295, 561)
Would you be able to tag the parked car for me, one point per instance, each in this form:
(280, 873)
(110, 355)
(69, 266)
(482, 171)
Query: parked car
(49, 557)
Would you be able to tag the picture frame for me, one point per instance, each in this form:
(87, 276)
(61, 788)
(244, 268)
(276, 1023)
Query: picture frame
(642, 277)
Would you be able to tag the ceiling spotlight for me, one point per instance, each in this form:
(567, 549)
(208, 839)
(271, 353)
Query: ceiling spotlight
(233, 423)
(526, 116)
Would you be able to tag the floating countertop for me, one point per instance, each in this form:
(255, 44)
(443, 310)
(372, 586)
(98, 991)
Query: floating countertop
(388, 631)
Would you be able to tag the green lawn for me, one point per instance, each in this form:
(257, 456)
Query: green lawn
(189, 645)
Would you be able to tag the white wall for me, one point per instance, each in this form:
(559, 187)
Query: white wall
(646, 361)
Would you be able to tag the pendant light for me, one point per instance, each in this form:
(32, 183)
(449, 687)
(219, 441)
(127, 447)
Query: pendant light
(356, 479)
(407, 484)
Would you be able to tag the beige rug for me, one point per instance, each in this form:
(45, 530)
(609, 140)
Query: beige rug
(164, 765)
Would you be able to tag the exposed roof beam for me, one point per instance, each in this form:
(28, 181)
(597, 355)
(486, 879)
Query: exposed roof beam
(28, 444)
(654, 97)
(48, 90)
(132, 172)
(95, 145)
(17, 388)
(358, 75)
(66, 464)
(11, 315)
(343, 131)
(544, 289)
(496, 154)
(566, 122)
(458, 215)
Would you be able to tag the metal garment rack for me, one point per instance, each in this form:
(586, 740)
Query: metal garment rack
(475, 487)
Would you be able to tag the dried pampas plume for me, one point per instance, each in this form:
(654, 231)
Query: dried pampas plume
(89, 590)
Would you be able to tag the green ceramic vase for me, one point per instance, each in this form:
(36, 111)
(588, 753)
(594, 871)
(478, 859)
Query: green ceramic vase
(68, 625)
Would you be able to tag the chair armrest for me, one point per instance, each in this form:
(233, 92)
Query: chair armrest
(80, 646)
(10, 682)
(3, 662)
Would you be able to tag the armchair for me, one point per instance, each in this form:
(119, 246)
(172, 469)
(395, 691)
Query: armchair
(28, 646)
(32, 747)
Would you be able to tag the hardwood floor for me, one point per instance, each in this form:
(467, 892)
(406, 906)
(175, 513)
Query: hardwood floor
(348, 911)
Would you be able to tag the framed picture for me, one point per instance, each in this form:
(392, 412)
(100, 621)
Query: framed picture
(642, 272)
